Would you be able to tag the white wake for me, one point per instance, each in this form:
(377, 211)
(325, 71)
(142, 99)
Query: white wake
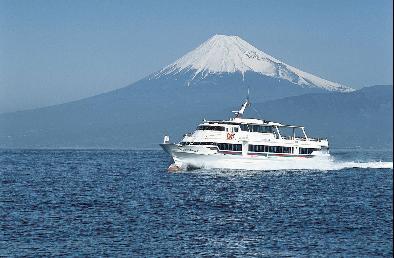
(371, 164)
(330, 163)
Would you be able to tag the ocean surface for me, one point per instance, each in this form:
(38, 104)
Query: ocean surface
(125, 203)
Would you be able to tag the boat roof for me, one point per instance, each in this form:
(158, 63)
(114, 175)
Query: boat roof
(253, 121)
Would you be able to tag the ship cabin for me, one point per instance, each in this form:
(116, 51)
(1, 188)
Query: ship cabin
(255, 135)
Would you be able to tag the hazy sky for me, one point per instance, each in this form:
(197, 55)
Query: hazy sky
(57, 51)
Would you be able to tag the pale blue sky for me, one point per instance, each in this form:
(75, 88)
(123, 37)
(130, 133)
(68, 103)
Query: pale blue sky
(57, 51)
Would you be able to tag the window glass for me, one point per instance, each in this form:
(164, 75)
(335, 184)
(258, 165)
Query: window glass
(210, 128)
(306, 150)
(266, 129)
(244, 127)
(255, 128)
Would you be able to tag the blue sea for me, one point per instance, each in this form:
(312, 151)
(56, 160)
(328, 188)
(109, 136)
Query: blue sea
(106, 203)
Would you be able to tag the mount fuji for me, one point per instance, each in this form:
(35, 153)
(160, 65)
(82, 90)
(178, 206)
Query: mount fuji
(207, 82)
(223, 54)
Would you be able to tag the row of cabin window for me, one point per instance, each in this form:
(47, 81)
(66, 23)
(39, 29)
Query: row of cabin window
(210, 128)
(221, 146)
(273, 149)
(215, 128)
(256, 128)
(278, 149)
(229, 146)
(244, 127)
(306, 150)
(254, 148)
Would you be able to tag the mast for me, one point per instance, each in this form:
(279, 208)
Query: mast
(239, 113)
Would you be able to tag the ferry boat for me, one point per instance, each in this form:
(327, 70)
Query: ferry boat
(244, 143)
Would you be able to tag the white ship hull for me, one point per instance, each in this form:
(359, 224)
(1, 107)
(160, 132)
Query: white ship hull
(201, 157)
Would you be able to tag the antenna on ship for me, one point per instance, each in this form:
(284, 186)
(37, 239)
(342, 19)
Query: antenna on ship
(250, 104)
(239, 113)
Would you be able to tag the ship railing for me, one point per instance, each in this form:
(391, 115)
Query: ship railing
(305, 139)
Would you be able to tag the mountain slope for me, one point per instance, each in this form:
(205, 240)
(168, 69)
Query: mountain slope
(231, 54)
(361, 118)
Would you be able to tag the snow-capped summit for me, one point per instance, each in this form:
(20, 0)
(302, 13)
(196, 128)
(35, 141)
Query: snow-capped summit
(231, 54)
